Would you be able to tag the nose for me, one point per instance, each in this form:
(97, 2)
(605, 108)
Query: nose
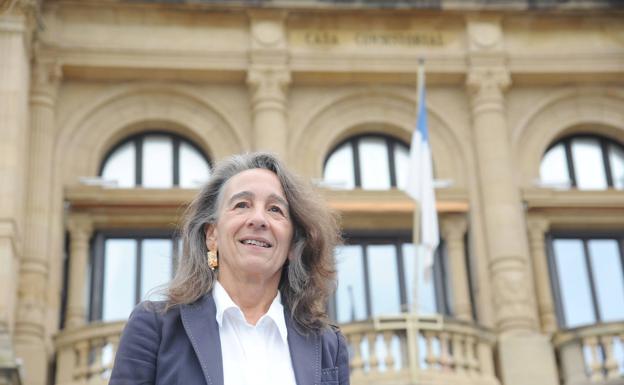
(257, 219)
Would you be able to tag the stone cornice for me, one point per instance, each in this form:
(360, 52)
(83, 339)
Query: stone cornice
(544, 199)
(373, 6)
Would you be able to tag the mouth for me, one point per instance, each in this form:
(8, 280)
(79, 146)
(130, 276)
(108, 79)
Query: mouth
(256, 242)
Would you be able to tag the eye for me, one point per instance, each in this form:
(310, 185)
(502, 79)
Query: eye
(241, 205)
(276, 209)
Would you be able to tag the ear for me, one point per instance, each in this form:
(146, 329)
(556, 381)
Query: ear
(211, 236)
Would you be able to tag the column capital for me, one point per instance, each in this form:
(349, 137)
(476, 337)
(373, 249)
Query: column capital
(46, 78)
(80, 225)
(268, 84)
(537, 225)
(453, 226)
(488, 79)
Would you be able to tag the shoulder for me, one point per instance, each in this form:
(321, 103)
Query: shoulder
(336, 347)
(135, 360)
(333, 340)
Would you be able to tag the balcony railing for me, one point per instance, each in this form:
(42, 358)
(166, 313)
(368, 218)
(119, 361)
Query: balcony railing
(592, 354)
(407, 349)
(86, 354)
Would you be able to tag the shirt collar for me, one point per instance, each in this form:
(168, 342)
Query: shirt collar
(223, 302)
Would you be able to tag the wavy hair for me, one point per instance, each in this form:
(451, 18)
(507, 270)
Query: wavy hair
(307, 279)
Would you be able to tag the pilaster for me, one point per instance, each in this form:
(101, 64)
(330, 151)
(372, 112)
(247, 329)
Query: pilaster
(487, 82)
(268, 79)
(453, 230)
(537, 228)
(80, 229)
(16, 29)
(30, 330)
(520, 345)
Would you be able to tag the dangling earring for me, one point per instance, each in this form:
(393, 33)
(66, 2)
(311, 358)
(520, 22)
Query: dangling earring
(213, 262)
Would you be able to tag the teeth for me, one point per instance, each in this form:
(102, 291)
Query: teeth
(256, 243)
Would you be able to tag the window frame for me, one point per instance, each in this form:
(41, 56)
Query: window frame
(391, 142)
(97, 263)
(441, 275)
(584, 237)
(604, 150)
(137, 140)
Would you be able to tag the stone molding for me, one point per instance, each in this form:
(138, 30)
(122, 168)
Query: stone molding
(485, 33)
(268, 88)
(267, 29)
(46, 78)
(365, 110)
(562, 112)
(487, 87)
(126, 109)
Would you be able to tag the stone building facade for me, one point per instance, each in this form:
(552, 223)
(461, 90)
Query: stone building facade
(525, 101)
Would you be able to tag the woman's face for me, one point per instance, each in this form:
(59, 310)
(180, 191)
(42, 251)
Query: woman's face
(254, 231)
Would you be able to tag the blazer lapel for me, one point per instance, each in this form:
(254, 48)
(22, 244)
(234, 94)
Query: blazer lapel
(305, 353)
(203, 331)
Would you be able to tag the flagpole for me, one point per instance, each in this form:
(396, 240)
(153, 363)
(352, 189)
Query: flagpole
(416, 236)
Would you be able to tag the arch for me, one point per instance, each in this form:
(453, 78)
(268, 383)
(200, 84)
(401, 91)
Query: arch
(569, 111)
(385, 111)
(91, 132)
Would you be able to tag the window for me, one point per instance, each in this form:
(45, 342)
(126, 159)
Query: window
(156, 160)
(125, 269)
(588, 280)
(376, 276)
(585, 162)
(372, 162)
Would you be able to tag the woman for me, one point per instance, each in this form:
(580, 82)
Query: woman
(246, 305)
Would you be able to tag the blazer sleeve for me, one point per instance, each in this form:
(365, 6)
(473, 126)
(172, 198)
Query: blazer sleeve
(342, 359)
(135, 361)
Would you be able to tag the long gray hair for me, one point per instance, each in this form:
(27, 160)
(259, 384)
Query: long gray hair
(307, 279)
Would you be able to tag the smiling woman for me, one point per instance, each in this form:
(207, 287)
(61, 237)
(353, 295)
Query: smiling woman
(256, 314)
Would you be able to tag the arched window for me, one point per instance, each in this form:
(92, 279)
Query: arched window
(372, 162)
(156, 160)
(587, 162)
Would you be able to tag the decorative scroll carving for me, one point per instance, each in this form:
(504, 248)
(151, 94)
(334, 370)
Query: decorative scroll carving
(512, 300)
(268, 87)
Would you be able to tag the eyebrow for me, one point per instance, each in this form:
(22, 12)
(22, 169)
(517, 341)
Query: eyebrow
(249, 194)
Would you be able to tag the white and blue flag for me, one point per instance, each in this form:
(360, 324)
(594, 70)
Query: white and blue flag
(420, 175)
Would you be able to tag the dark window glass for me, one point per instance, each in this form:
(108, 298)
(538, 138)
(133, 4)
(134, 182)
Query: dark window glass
(585, 162)
(155, 160)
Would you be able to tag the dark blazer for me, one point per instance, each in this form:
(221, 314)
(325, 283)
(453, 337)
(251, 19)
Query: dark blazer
(182, 346)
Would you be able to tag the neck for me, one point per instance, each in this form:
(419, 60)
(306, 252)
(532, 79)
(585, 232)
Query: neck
(253, 298)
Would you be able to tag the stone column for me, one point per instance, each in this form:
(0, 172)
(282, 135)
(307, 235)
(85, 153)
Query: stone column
(268, 79)
(30, 330)
(520, 345)
(453, 230)
(16, 25)
(80, 230)
(537, 228)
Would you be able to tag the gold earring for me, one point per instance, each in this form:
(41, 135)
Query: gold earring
(213, 262)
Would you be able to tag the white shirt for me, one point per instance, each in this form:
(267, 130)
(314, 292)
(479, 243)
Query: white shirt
(253, 354)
